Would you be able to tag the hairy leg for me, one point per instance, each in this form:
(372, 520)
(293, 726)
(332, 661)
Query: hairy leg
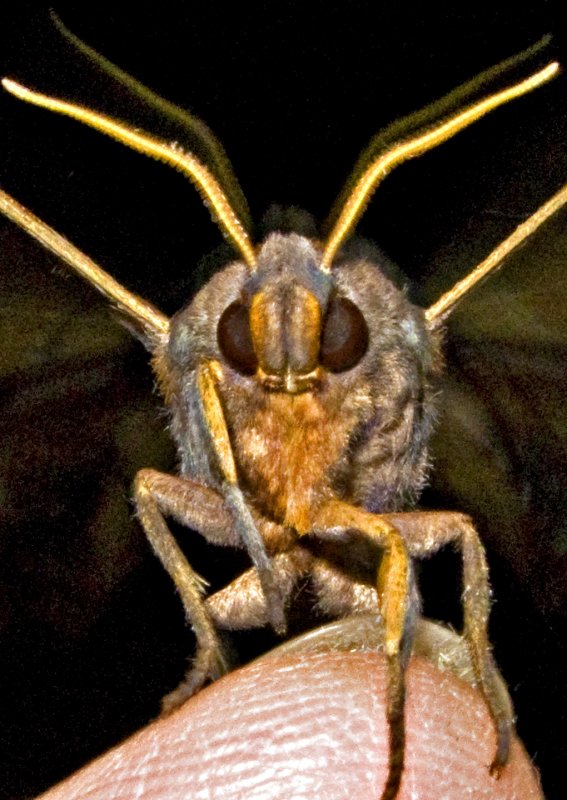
(426, 532)
(208, 374)
(202, 509)
(242, 604)
(394, 591)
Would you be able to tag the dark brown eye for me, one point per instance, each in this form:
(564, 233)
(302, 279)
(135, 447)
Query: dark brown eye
(345, 336)
(235, 339)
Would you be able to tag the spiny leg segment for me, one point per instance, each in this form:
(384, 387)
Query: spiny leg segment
(426, 532)
(394, 585)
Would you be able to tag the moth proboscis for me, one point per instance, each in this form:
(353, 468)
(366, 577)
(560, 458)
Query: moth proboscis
(300, 383)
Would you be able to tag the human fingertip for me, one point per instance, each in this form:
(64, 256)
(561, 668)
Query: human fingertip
(310, 725)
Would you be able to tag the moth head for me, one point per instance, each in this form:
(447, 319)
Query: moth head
(290, 324)
(292, 327)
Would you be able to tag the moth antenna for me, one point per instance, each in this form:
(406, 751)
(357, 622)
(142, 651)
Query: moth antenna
(465, 94)
(436, 314)
(419, 143)
(185, 162)
(203, 141)
(153, 324)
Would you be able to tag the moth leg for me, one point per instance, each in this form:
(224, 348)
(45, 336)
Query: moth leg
(338, 595)
(208, 375)
(394, 591)
(242, 604)
(426, 532)
(156, 494)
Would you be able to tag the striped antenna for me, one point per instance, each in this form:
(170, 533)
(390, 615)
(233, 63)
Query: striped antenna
(416, 145)
(185, 162)
(146, 318)
(436, 314)
(201, 139)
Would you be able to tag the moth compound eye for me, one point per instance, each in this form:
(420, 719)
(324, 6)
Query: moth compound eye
(344, 339)
(235, 338)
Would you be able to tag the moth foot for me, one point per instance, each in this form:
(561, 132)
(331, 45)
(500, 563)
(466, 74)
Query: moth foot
(207, 666)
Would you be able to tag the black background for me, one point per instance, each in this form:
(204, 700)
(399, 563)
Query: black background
(91, 634)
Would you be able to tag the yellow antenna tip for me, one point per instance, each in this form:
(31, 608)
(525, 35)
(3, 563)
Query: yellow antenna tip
(554, 67)
(12, 87)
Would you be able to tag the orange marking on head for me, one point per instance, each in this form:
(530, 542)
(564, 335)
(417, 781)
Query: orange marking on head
(286, 330)
(307, 324)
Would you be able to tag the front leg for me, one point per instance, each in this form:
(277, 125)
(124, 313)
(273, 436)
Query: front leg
(216, 431)
(242, 604)
(202, 509)
(394, 586)
(425, 532)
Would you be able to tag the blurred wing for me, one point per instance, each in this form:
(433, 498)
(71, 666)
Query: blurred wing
(501, 448)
